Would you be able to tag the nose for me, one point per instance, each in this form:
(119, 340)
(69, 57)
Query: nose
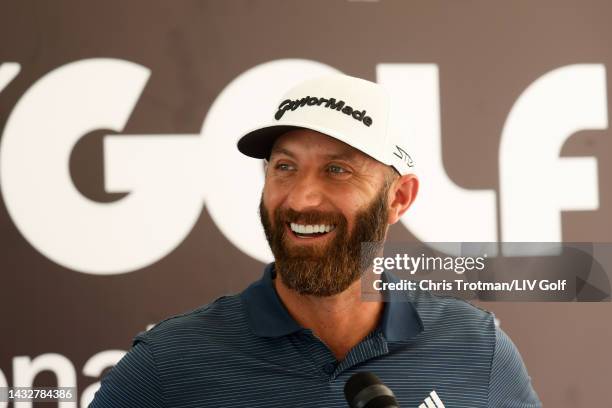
(306, 193)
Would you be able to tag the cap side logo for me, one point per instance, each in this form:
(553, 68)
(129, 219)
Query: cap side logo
(331, 103)
(403, 155)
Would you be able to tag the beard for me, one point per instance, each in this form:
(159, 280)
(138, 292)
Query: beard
(326, 270)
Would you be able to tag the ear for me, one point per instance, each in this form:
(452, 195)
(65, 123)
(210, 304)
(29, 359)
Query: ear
(402, 193)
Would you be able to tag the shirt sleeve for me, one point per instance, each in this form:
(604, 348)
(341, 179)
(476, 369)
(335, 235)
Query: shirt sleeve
(510, 384)
(132, 382)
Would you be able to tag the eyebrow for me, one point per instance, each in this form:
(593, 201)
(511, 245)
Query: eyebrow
(347, 155)
(281, 151)
(341, 156)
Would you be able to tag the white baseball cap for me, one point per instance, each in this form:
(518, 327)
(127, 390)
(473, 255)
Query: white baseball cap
(352, 110)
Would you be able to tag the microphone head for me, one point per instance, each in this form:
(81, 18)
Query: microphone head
(365, 390)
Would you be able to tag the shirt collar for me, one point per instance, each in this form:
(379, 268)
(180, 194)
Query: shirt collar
(268, 317)
(400, 320)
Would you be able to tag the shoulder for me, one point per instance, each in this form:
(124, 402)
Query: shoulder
(510, 384)
(177, 347)
(133, 381)
(458, 328)
(223, 317)
(505, 350)
(446, 313)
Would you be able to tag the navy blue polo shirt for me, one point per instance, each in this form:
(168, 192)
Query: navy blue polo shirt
(246, 350)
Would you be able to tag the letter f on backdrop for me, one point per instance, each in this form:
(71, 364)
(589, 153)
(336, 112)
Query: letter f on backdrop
(443, 211)
(535, 183)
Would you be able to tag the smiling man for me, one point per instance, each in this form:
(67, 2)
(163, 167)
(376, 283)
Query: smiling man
(321, 200)
(336, 176)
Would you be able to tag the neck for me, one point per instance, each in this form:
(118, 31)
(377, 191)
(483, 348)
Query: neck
(341, 321)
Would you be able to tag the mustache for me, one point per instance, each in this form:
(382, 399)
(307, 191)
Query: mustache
(289, 215)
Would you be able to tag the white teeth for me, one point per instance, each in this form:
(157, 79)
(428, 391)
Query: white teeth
(310, 229)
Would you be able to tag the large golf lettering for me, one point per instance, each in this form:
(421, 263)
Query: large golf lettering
(535, 183)
(159, 172)
(170, 177)
(166, 175)
(443, 211)
(533, 179)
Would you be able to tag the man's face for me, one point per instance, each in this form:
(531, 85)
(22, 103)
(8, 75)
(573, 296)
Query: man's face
(321, 200)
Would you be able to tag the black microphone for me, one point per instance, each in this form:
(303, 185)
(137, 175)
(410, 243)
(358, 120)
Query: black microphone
(365, 390)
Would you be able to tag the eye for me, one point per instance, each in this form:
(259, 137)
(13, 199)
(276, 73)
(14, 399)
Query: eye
(284, 167)
(335, 169)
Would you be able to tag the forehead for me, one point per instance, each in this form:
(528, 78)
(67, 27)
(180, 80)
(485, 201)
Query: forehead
(300, 141)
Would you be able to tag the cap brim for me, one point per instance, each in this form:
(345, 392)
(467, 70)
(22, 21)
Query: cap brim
(258, 143)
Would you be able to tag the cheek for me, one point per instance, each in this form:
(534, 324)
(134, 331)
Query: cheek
(349, 207)
(347, 199)
(272, 198)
